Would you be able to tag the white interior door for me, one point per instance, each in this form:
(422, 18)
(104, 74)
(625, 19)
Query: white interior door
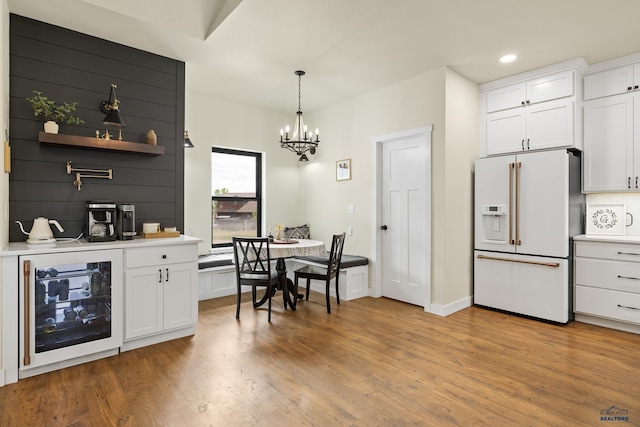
(405, 217)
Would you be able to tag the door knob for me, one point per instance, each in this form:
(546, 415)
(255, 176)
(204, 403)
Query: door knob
(384, 227)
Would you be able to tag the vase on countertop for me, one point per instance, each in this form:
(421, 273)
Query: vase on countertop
(152, 138)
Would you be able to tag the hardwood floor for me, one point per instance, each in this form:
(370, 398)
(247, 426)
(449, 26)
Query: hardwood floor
(372, 362)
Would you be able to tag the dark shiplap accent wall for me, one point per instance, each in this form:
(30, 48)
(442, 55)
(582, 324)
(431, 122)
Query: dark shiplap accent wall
(69, 66)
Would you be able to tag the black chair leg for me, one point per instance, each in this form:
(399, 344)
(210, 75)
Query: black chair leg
(295, 295)
(308, 288)
(238, 304)
(328, 296)
(269, 315)
(337, 289)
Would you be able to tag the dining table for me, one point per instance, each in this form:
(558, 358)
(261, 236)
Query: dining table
(281, 249)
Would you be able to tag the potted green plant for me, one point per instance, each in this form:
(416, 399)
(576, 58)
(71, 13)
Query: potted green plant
(54, 114)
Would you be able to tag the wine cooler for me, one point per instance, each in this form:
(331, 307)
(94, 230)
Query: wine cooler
(71, 307)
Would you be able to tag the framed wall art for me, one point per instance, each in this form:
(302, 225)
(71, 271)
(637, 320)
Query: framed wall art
(343, 170)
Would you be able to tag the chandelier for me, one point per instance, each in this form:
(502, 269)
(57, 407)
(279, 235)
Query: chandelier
(301, 140)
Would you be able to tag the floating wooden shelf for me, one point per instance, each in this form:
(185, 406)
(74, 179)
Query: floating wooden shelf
(100, 144)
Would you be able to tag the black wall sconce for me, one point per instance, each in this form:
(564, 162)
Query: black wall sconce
(110, 108)
(187, 141)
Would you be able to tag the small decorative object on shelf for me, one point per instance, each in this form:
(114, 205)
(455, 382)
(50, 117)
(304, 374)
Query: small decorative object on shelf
(152, 137)
(52, 113)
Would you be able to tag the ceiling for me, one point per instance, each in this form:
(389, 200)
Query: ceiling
(248, 50)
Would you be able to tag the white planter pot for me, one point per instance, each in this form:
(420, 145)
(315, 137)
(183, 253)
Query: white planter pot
(51, 127)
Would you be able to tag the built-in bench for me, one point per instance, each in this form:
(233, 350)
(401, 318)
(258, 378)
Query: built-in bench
(216, 276)
(354, 274)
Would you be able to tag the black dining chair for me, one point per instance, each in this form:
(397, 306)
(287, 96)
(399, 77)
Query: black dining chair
(253, 268)
(312, 272)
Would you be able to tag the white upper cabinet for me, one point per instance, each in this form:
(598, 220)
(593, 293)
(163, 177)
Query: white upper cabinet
(537, 127)
(545, 88)
(532, 111)
(610, 161)
(612, 82)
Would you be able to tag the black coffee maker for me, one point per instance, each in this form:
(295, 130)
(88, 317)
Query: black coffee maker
(101, 221)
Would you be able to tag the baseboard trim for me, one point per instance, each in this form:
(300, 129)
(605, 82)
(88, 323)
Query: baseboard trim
(446, 310)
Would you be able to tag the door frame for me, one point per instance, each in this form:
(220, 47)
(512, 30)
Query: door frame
(426, 134)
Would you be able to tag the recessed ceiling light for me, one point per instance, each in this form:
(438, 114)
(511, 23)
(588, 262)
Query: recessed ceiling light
(508, 58)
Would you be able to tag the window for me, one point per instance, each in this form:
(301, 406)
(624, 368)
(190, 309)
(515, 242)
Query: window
(236, 199)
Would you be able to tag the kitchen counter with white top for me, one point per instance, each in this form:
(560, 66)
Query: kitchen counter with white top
(607, 238)
(152, 297)
(23, 248)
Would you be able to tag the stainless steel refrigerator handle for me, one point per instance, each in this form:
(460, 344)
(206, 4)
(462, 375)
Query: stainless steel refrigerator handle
(511, 166)
(26, 272)
(545, 264)
(518, 166)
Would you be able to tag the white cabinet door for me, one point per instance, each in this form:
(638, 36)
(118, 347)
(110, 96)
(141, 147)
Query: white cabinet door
(541, 89)
(506, 97)
(609, 82)
(506, 131)
(547, 88)
(550, 125)
(180, 295)
(143, 301)
(534, 286)
(608, 161)
(160, 298)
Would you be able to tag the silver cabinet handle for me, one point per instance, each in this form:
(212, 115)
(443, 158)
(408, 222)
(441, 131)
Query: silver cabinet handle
(160, 275)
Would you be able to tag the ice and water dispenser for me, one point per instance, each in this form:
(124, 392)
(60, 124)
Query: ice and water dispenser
(494, 224)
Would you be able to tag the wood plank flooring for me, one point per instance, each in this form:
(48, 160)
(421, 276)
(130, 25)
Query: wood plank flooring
(372, 362)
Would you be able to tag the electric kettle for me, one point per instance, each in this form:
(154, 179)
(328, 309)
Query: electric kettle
(41, 231)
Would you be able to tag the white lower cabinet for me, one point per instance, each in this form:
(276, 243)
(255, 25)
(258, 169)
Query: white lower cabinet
(607, 284)
(161, 293)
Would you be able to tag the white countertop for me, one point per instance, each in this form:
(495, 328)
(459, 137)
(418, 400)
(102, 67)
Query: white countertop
(607, 238)
(22, 248)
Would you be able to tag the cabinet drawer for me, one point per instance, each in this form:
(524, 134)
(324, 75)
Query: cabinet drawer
(608, 250)
(615, 275)
(158, 255)
(615, 305)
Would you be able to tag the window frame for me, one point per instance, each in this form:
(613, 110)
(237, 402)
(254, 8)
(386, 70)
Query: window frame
(258, 198)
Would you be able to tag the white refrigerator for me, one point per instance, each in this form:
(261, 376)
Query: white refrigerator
(527, 209)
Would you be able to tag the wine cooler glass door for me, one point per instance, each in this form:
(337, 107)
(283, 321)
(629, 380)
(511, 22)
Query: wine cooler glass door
(71, 306)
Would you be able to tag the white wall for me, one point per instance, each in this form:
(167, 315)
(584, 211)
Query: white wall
(216, 122)
(461, 149)
(347, 130)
